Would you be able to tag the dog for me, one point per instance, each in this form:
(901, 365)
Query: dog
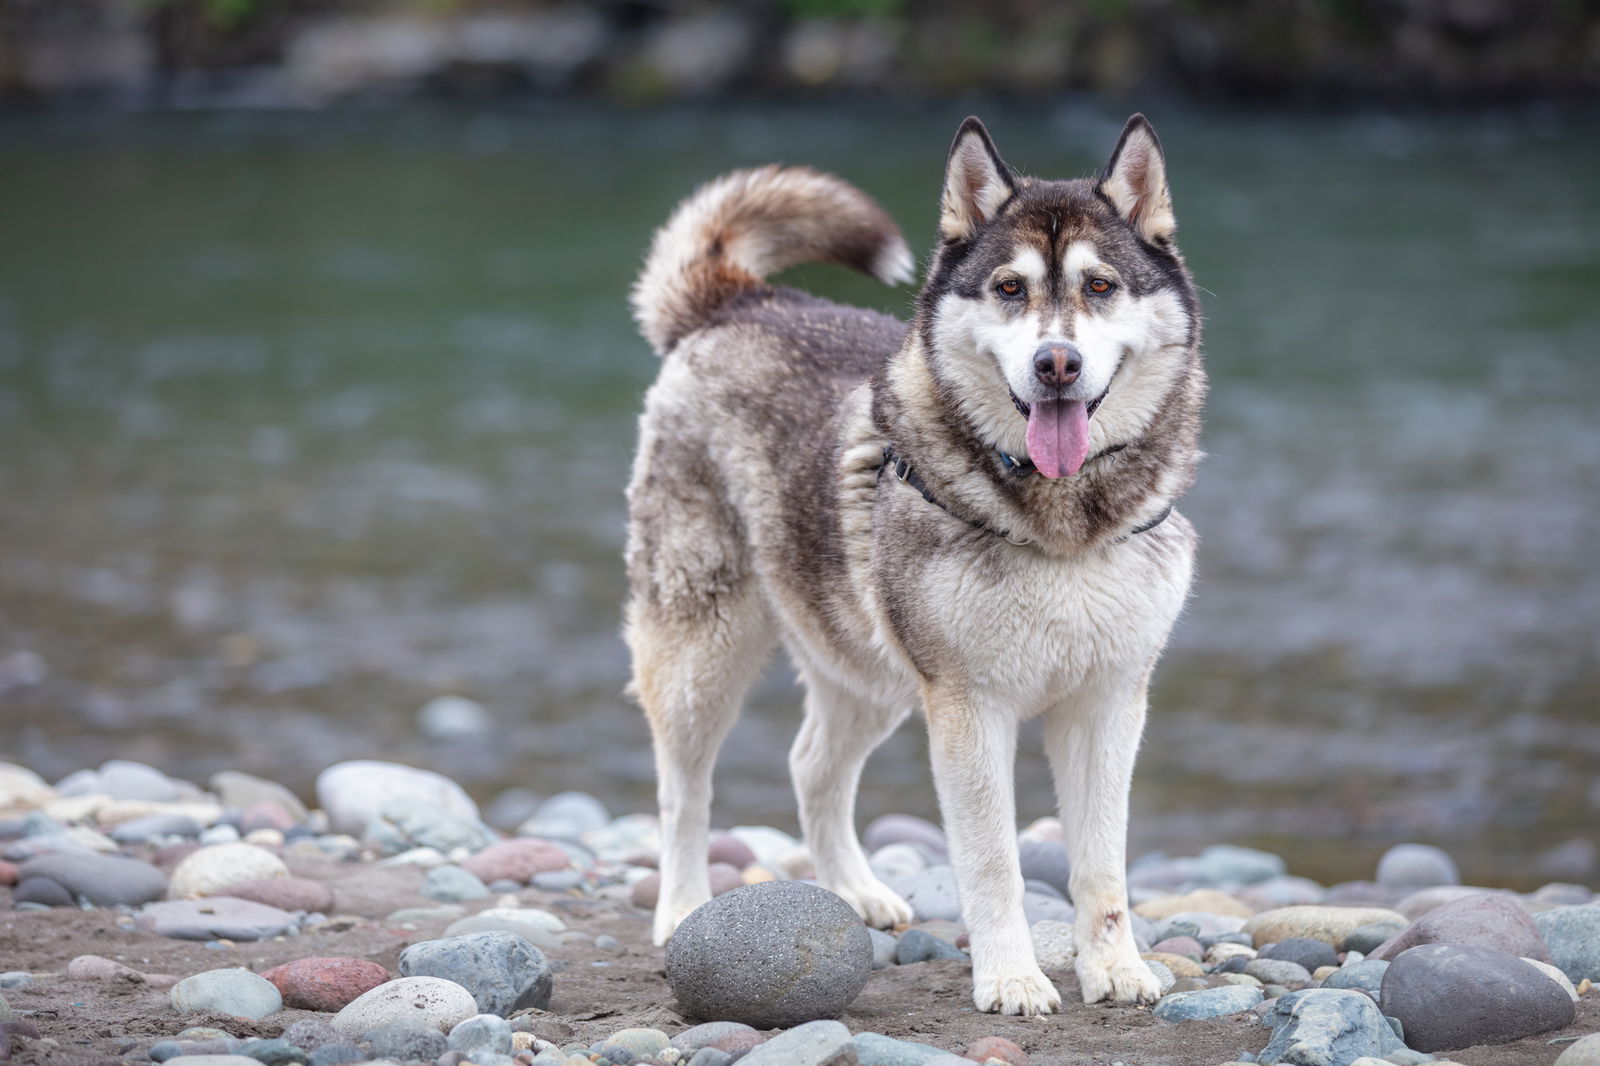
(971, 513)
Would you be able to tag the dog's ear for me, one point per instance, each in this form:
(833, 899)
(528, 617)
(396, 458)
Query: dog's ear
(977, 183)
(1135, 181)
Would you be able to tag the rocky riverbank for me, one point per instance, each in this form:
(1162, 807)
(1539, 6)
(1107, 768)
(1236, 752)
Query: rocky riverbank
(153, 920)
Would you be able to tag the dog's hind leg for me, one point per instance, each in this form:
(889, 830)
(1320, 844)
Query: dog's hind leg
(841, 729)
(974, 746)
(691, 677)
(1091, 743)
(700, 632)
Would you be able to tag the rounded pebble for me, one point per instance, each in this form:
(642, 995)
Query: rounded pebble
(210, 870)
(500, 972)
(481, 1032)
(430, 1002)
(236, 992)
(1417, 866)
(1449, 996)
(769, 955)
(325, 984)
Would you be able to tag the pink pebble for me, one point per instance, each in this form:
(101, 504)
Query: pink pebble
(325, 984)
(265, 814)
(731, 850)
(285, 893)
(997, 1049)
(725, 878)
(517, 860)
(646, 891)
(1179, 945)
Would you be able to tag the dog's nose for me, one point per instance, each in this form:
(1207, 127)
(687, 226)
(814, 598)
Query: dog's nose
(1057, 365)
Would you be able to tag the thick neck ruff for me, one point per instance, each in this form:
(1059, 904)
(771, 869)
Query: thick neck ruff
(903, 471)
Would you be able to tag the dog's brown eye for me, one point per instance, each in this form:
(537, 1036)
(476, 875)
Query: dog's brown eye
(1100, 286)
(1010, 287)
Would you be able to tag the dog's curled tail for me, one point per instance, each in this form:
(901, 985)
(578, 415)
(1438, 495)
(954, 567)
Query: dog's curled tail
(733, 232)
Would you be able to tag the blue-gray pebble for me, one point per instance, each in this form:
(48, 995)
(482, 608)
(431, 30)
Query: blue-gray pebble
(1332, 1025)
(452, 884)
(917, 946)
(503, 971)
(1573, 936)
(336, 1055)
(1366, 975)
(277, 1052)
(406, 1042)
(1206, 1003)
(1303, 951)
(481, 1032)
(875, 1049)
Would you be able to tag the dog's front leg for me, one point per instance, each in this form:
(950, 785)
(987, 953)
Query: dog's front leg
(1092, 743)
(974, 747)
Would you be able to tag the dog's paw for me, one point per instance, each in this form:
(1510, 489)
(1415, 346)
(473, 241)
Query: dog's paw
(879, 905)
(1118, 980)
(1019, 992)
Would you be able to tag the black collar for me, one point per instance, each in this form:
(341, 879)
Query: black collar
(1013, 465)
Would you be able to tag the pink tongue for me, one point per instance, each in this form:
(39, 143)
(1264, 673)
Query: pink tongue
(1058, 436)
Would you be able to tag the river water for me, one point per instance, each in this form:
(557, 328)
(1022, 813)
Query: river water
(306, 419)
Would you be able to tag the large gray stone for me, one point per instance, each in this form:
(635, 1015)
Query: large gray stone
(1487, 921)
(1327, 1027)
(812, 1044)
(1450, 996)
(503, 971)
(769, 955)
(103, 880)
(218, 916)
(1206, 1003)
(1573, 936)
(1417, 866)
(237, 992)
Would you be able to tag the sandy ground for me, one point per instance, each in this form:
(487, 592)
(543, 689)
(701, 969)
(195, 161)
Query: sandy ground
(596, 992)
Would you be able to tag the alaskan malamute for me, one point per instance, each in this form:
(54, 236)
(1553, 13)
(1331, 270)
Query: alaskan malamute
(971, 514)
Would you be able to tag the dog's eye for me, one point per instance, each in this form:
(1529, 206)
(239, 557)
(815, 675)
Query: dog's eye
(1100, 286)
(1010, 288)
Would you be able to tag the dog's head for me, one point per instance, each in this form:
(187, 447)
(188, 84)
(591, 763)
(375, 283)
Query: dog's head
(1053, 303)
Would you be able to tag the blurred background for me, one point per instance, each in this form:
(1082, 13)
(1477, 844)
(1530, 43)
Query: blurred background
(318, 389)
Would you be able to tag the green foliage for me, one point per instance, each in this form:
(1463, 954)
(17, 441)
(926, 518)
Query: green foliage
(221, 14)
(820, 9)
